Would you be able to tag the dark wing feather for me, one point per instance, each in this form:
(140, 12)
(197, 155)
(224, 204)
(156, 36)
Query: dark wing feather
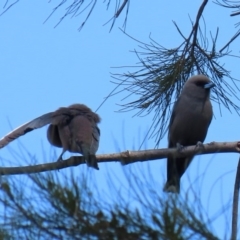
(25, 128)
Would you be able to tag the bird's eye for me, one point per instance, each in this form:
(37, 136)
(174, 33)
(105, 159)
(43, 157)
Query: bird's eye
(200, 84)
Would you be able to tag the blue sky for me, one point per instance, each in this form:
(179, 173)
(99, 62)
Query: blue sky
(43, 68)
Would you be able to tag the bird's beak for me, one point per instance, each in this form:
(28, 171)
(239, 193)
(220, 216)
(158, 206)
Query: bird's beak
(209, 85)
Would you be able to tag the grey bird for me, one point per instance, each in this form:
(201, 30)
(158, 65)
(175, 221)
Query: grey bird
(75, 130)
(189, 122)
(72, 128)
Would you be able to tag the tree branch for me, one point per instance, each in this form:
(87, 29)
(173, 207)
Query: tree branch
(230, 41)
(121, 8)
(235, 204)
(129, 157)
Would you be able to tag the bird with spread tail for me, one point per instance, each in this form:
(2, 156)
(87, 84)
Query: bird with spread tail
(189, 122)
(72, 128)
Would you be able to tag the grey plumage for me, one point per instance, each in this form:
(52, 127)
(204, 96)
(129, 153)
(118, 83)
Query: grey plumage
(73, 128)
(191, 117)
(25, 128)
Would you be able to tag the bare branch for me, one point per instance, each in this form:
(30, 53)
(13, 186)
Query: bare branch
(196, 25)
(235, 14)
(128, 157)
(121, 8)
(235, 204)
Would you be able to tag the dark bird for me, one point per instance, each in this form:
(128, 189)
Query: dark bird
(189, 122)
(72, 128)
(75, 130)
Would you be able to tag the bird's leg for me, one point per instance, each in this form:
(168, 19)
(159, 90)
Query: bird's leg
(60, 157)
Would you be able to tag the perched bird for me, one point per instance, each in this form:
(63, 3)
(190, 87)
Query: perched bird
(73, 128)
(189, 122)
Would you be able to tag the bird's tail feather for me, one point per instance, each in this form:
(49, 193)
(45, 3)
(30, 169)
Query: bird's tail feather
(92, 162)
(172, 186)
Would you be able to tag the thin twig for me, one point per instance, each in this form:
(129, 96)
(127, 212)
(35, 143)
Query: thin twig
(235, 14)
(235, 203)
(121, 8)
(195, 28)
(230, 41)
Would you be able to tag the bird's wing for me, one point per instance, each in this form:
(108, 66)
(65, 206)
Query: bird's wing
(171, 121)
(25, 128)
(95, 138)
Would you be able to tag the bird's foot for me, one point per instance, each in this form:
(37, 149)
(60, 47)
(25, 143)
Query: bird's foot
(199, 145)
(60, 159)
(180, 147)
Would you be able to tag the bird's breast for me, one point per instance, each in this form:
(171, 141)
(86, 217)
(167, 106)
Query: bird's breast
(191, 124)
